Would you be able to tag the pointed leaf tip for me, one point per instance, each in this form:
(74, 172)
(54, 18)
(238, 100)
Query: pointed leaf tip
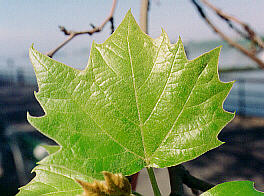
(129, 12)
(179, 38)
(31, 50)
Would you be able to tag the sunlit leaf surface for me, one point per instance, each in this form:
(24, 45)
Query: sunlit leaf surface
(235, 188)
(140, 102)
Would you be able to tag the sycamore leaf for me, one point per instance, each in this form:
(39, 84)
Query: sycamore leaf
(139, 103)
(114, 184)
(235, 188)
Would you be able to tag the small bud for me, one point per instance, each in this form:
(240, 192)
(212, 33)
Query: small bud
(114, 185)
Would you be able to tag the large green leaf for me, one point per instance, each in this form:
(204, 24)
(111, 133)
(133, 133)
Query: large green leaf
(235, 188)
(139, 103)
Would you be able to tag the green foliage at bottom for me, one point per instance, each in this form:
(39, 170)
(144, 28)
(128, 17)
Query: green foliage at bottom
(234, 188)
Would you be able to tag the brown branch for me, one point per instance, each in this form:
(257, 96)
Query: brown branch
(176, 174)
(236, 45)
(250, 32)
(179, 176)
(246, 52)
(144, 15)
(72, 34)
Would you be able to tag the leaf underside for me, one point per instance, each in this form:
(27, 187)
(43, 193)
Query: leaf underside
(235, 188)
(139, 103)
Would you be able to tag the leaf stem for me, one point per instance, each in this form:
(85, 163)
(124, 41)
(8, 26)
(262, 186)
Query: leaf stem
(153, 181)
(134, 193)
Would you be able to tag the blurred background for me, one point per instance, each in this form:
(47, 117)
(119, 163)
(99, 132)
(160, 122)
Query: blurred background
(201, 26)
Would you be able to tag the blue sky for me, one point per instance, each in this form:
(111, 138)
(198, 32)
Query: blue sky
(23, 22)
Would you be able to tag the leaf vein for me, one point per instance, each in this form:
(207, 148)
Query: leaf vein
(155, 63)
(169, 132)
(206, 99)
(163, 88)
(114, 104)
(111, 68)
(135, 91)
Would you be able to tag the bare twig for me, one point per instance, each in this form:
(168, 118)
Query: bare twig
(236, 45)
(112, 25)
(246, 52)
(144, 15)
(72, 34)
(250, 32)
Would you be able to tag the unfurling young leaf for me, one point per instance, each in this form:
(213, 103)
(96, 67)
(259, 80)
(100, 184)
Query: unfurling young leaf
(139, 103)
(114, 185)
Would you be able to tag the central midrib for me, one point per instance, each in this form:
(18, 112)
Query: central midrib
(136, 96)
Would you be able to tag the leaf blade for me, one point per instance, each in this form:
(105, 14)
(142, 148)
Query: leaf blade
(234, 188)
(140, 102)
